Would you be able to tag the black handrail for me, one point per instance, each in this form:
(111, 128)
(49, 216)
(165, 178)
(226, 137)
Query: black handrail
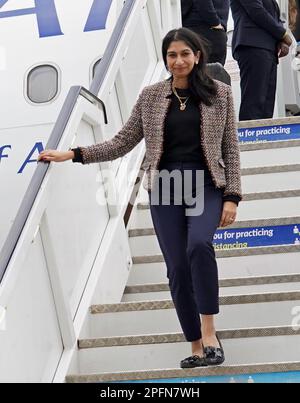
(56, 135)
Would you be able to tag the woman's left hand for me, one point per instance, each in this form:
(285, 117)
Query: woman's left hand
(228, 214)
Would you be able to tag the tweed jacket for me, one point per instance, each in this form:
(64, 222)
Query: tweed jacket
(218, 136)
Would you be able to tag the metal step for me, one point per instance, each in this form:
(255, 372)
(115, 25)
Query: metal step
(226, 282)
(144, 247)
(148, 317)
(165, 294)
(276, 157)
(227, 253)
(251, 210)
(265, 169)
(238, 224)
(275, 194)
(143, 241)
(168, 304)
(269, 145)
(274, 346)
(240, 266)
(197, 375)
(179, 337)
(263, 184)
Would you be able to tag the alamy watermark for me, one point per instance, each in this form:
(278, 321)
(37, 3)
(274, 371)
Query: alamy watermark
(169, 187)
(179, 188)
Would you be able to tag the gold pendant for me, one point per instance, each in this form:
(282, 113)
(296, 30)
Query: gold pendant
(182, 107)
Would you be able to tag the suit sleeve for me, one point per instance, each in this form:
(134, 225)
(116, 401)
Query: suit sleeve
(231, 152)
(186, 7)
(127, 138)
(208, 12)
(261, 17)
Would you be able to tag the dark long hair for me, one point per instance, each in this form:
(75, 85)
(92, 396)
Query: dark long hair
(201, 85)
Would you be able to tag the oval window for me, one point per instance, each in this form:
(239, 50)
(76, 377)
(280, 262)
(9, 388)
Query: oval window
(42, 84)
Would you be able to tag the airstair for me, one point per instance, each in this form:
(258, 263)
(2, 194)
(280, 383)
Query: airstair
(84, 295)
(140, 338)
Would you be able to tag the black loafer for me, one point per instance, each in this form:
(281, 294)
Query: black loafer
(193, 362)
(214, 355)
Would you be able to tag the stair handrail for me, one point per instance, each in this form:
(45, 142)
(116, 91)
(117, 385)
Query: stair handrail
(75, 92)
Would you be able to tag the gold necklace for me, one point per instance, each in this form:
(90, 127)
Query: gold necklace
(182, 104)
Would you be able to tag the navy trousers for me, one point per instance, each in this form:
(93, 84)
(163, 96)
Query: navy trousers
(186, 244)
(258, 70)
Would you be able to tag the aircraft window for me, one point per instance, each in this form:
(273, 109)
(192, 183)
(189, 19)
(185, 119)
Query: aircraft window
(42, 84)
(95, 66)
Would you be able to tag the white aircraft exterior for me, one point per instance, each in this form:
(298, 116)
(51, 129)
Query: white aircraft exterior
(46, 47)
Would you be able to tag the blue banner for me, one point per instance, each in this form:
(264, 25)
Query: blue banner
(239, 238)
(269, 377)
(269, 133)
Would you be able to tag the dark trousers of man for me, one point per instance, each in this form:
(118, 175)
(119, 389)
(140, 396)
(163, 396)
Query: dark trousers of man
(258, 70)
(186, 244)
(217, 42)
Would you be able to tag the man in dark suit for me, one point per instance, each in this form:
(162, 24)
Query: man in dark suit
(259, 38)
(209, 19)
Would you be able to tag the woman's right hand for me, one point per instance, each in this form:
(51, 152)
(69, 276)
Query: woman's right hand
(55, 156)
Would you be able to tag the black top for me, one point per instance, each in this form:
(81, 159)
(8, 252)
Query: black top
(182, 136)
(182, 131)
